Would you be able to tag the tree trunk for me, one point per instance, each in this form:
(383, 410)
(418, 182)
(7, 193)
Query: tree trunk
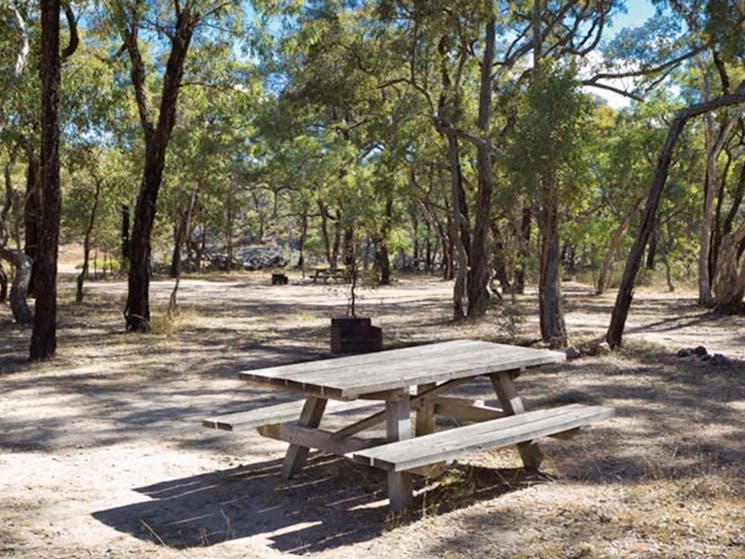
(137, 310)
(500, 266)
(456, 228)
(729, 282)
(87, 243)
(614, 335)
(652, 250)
(32, 212)
(19, 289)
(713, 149)
(181, 234)
(523, 249)
(44, 334)
(553, 329)
(478, 273)
(348, 248)
(124, 264)
(303, 236)
(614, 244)
(3, 285)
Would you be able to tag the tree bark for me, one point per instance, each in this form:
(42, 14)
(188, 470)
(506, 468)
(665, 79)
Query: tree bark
(729, 281)
(523, 248)
(614, 244)
(87, 243)
(713, 149)
(44, 334)
(614, 335)
(478, 273)
(182, 231)
(19, 289)
(124, 264)
(456, 225)
(137, 311)
(553, 329)
(32, 212)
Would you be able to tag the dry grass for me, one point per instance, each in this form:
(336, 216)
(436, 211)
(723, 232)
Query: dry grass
(102, 457)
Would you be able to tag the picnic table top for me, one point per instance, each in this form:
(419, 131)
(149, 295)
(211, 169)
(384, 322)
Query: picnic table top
(353, 376)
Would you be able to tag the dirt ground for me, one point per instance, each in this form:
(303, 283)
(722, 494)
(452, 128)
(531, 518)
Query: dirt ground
(102, 453)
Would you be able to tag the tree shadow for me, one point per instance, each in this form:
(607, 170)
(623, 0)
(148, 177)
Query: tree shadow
(330, 504)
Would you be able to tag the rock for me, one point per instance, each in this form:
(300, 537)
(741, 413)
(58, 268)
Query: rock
(720, 360)
(685, 352)
(700, 351)
(572, 352)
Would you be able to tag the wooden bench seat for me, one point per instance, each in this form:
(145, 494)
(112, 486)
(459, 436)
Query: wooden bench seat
(278, 413)
(446, 445)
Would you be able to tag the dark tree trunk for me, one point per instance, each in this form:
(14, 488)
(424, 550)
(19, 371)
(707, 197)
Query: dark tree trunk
(87, 243)
(382, 263)
(303, 236)
(180, 236)
(44, 334)
(124, 264)
(523, 248)
(614, 335)
(335, 247)
(478, 272)
(3, 285)
(32, 212)
(348, 247)
(652, 250)
(19, 289)
(323, 210)
(551, 312)
(137, 311)
(613, 247)
(498, 261)
(460, 256)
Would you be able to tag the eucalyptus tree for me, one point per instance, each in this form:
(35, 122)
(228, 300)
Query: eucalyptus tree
(718, 28)
(44, 334)
(170, 26)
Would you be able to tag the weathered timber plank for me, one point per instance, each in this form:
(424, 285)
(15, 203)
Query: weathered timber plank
(315, 438)
(276, 413)
(425, 413)
(331, 380)
(296, 454)
(398, 428)
(511, 403)
(349, 377)
(391, 375)
(447, 445)
(379, 417)
(464, 409)
(363, 360)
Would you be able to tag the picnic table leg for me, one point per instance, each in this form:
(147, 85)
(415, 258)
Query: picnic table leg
(296, 454)
(425, 416)
(512, 404)
(398, 427)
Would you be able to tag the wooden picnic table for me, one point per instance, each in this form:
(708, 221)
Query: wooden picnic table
(336, 274)
(414, 379)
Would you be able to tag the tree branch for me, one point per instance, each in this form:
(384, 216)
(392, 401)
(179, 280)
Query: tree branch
(72, 23)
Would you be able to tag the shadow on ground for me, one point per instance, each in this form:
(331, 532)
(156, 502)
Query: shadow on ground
(332, 503)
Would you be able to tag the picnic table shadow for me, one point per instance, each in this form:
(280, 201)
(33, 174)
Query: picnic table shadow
(331, 503)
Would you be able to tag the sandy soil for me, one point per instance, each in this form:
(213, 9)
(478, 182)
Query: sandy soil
(102, 453)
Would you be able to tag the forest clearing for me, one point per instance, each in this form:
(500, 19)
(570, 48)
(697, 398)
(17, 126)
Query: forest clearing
(372, 278)
(103, 454)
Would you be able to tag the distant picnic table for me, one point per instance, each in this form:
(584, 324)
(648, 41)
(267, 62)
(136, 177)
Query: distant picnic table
(338, 274)
(343, 384)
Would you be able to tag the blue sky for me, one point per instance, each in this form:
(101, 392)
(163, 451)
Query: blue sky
(638, 11)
